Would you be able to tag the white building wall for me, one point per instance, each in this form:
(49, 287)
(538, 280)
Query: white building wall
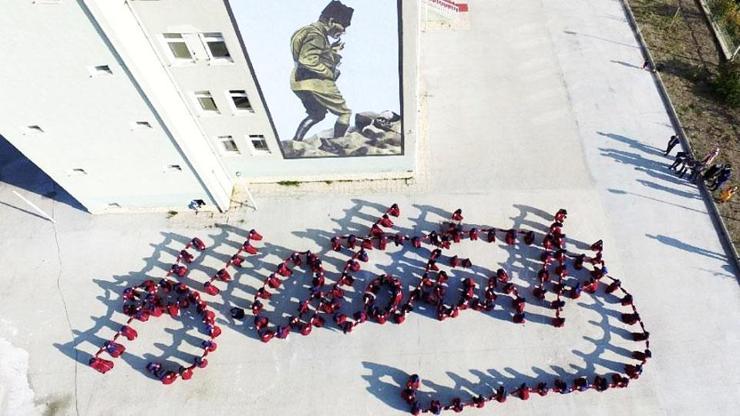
(200, 16)
(48, 50)
(87, 119)
(195, 17)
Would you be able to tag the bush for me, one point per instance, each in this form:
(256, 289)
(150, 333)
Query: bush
(727, 83)
(727, 14)
(721, 8)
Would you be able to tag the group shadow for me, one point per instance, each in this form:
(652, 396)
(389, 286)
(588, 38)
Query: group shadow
(386, 382)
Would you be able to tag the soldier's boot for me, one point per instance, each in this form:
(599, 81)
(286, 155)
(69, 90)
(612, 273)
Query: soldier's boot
(304, 127)
(340, 129)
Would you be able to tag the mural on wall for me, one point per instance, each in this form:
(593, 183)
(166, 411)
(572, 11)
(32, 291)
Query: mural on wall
(329, 71)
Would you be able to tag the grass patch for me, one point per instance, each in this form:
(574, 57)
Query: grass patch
(727, 83)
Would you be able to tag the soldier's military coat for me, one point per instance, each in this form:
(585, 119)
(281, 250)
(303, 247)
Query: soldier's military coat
(313, 78)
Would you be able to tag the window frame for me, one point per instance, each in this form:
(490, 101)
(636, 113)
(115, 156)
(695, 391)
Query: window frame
(206, 38)
(256, 138)
(197, 95)
(231, 94)
(182, 39)
(220, 140)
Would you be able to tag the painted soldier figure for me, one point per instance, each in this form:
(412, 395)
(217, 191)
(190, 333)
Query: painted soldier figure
(316, 71)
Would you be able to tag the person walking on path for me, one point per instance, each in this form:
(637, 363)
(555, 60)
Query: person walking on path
(672, 142)
(726, 194)
(724, 175)
(709, 158)
(680, 160)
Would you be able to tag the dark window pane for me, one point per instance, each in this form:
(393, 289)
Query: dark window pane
(219, 50)
(242, 103)
(260, 145)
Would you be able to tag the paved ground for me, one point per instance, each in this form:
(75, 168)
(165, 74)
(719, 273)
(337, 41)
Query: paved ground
(539, 105)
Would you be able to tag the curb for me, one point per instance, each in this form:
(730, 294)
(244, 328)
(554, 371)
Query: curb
(719, 224)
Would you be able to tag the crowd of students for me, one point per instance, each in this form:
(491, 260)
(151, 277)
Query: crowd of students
(432, 289)
(325, 299)
(716, 175)
(154, 298)
(151, 299)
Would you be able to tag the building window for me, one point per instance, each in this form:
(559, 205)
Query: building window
(178, 46)
(228, 145)
(259, 143)
(216, 46)
(240, 100)
(100, 70)
(34, 129)
(206, 102)
(141, 125)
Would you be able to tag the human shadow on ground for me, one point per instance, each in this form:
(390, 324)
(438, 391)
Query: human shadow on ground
(659, 187)
(609, 355)
(573, 33)
(17, 170)
(673, 242)
(633, 143)
(623, 192)
(652, 168)
(627, 64)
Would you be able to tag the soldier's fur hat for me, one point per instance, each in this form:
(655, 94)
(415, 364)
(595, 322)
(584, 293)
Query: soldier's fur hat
(341, 13)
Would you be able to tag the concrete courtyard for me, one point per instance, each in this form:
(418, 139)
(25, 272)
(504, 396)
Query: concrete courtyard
(538, 105)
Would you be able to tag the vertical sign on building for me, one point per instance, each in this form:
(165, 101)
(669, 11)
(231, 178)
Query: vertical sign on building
(330, 73)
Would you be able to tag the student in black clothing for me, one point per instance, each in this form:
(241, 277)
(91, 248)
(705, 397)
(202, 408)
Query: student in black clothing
(672, 142)
(680, 159)
(712, 172)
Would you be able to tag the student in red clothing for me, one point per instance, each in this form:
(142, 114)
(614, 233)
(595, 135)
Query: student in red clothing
(519, 304)
(600, 384)
(523, 391)
(561, 387)
(408, 395)
(640, 336)
(457, 405)
(630, 318)
(413, 382)
(101, 365)
(435, 407)
(581, 384)
(561, 215)
(642, 355)
(633, 371)
(501, 394)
